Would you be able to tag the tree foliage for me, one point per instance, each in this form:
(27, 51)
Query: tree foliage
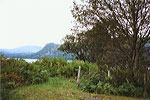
(90, 45)
(126, 22)
(130, 27)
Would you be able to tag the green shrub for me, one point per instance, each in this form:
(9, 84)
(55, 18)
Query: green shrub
(95, 83)
(139, 92)
(17, 72)
(60, 67)
(34, 74)
(99, 82)
(126, 89)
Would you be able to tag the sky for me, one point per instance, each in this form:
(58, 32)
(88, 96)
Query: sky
(34, 22)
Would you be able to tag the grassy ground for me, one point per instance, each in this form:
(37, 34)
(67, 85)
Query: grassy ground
(59, 89)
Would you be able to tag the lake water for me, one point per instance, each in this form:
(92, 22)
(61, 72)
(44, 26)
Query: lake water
(30, 60)
(34, 60)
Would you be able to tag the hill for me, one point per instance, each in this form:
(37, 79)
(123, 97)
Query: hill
(50, 51)
(35, 52)
(22, 49)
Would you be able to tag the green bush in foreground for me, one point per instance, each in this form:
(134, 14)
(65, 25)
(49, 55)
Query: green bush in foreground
(17, 72)
(100, 83)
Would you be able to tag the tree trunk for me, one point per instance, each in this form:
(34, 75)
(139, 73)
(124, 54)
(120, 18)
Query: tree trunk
(135, 64)
(145, 90)
(147, 75)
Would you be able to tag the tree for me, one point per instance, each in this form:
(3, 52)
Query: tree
(131, 23)
(73, 46)
(90, 45)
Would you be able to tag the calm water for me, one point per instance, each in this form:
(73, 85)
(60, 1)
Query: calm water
(33, 60)
(30, 60)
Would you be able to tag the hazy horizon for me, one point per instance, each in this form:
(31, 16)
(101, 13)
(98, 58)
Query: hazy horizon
(29, 45)
(34, 22)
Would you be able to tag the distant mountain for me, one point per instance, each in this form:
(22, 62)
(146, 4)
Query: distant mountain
(23, 49)
(3, 51)
(50, 51)
(35, 52)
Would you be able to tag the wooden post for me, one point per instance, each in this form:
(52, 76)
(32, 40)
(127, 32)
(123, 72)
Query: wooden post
(78, 78)
(90, 70)
(108, 73)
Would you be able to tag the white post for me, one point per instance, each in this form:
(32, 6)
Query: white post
(108, 73)
(78, 78)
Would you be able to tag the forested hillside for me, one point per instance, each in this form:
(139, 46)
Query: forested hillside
(49, 51)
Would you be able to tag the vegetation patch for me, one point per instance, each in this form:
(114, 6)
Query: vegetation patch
(59, 89)
(17, 74)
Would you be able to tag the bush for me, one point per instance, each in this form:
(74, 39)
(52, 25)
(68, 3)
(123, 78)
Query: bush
(34, 74)
(126, 89)
(17, 72)
(95, 83)
(99, 82)
(60, 67)
(11, 74)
